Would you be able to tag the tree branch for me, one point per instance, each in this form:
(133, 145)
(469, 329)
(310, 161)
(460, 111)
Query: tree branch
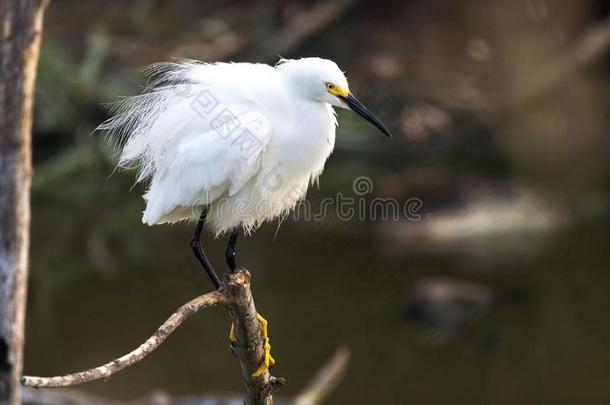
(591, 46)
(133, 357)
(250, 347)
(300, 28)
(315, 393)
(325, 380)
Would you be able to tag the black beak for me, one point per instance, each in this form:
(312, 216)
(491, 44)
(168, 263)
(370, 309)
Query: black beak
(353, 103)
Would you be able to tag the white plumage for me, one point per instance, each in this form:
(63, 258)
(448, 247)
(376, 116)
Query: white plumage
(244, 140)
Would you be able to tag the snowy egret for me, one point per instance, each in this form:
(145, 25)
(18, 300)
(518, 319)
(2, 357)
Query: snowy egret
(233, 144)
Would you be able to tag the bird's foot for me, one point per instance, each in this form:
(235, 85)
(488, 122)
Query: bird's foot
(268, 360)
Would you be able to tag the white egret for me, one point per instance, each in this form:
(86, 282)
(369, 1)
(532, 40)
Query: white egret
(232, 144)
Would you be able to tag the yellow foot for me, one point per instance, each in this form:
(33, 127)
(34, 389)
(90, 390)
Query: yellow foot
(268, 360)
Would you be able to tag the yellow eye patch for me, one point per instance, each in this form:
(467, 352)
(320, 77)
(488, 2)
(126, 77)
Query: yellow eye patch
(336, 90)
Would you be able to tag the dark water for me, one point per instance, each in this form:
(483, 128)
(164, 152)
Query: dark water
(101, 283)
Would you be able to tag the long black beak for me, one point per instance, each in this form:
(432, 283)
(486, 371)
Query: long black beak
(364, 112)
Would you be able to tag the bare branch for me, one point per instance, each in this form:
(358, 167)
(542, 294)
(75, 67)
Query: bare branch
(301, 28)
(326, 380)
(249, 348)
(243, 45)
(590, 47)
(114, 366)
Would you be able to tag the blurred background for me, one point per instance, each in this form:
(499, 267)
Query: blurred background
(493, 290)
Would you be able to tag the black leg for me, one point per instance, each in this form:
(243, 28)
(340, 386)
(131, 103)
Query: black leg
(198, 250)
(230, 252)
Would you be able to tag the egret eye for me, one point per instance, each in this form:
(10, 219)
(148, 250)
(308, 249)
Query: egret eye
(330, 86)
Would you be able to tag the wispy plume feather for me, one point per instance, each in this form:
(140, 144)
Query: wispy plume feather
(130, 127)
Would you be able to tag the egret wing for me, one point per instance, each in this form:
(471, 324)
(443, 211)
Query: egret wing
(200, 168)
(194, 134)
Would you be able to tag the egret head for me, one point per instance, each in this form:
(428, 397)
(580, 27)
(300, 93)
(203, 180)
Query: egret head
(321, 80)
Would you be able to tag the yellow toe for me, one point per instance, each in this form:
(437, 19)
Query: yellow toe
(268, 360)
(232, 337)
